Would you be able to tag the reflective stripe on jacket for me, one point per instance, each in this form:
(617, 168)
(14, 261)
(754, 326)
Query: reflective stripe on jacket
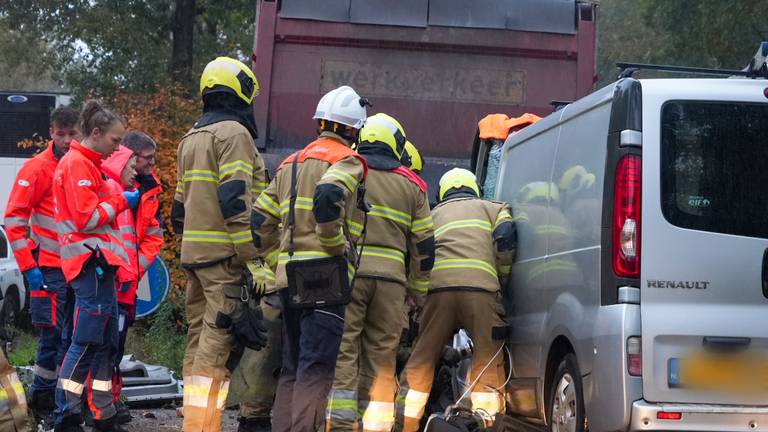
(86, 211)
(31, 205)
(475, 244)
(328, 175)
(399, 222)
(219, 174)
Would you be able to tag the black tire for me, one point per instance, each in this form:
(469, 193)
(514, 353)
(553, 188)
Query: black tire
(9, 314)
(565, 404)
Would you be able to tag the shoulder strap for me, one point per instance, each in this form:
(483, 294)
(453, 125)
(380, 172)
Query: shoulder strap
(292, 204)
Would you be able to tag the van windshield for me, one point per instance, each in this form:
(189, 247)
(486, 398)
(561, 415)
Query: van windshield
(714, 167)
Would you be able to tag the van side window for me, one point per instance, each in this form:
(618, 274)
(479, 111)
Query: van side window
(713, 167)
(579, 173)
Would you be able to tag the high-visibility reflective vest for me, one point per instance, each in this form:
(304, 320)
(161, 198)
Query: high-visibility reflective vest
(31, 206)
(328, 175)
(86, 211)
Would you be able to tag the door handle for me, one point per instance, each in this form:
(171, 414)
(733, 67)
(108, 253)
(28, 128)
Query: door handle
(765, 273)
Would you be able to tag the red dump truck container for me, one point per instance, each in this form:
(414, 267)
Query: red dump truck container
(438, 66)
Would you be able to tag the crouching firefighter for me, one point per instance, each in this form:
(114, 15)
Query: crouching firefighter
(475, 245)
(398, 222)
(219, 173)
(315, 197)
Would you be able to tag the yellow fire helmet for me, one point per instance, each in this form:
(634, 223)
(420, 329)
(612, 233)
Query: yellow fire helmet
(384, 129)
(457, 178)
(412, 158)
(229, 75)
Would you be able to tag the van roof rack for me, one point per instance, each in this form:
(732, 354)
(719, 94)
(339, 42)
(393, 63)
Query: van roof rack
(757, 68)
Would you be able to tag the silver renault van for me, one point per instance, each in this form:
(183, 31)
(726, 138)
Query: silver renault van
(639, 297)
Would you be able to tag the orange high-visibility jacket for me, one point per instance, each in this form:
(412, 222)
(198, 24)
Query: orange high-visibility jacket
(139, 231)
(31, 205)
(86, 210)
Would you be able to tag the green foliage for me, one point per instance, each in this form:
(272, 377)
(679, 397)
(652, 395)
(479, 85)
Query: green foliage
(24, 349)
(163, 342)
(106, 46)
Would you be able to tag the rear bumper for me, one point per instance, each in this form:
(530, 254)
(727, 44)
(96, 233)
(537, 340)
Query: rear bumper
(699, 417)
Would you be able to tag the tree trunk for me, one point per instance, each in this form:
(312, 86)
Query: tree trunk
(182, 54)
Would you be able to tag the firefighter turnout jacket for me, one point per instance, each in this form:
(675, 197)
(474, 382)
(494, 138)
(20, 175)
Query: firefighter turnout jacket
(399, 224)
(328, 175)
(86, 210)
(31, 206)
(216, 163)
(481, 259)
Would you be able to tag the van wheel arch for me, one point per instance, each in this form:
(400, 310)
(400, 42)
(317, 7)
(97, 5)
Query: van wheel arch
(11, 298)
(559, 348)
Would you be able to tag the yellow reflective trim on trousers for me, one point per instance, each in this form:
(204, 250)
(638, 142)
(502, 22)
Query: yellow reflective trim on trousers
(3, 394)
(420, 225)
(460, 263)
(179, 187)
(336, 240)
(342, 404)
(464, 223)
(302, 203)
(301, 255)
(349, 181)
(390, 213)
(383, 252)
(202, 236)
(241, 237)
(269, 205)
(258, 187)
(355, 228)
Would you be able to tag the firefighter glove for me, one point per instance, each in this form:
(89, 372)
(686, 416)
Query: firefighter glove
(34, 278)
(263, 277)
(133, 198)
(248, 327)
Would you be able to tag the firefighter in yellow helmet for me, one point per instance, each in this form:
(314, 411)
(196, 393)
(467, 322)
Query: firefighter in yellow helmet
(412, 158)
(399, 223)
(219, 175)
(475, 246)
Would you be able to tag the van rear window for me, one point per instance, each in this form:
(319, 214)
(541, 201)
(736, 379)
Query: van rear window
(714, 167)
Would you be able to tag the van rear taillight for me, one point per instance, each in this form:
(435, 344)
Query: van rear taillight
(635, 356)
(626, 217)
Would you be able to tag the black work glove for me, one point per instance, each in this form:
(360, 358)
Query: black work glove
(248, 327)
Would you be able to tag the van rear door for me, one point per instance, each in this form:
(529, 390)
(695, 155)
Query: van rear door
(704, 303)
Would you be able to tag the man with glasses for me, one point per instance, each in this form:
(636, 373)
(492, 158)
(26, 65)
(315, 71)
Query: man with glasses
(144, 148)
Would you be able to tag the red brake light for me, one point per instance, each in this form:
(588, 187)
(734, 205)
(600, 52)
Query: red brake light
(626, 217)
(663, 415)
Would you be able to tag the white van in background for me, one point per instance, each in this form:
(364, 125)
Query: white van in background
(22, 116)
(639, 296)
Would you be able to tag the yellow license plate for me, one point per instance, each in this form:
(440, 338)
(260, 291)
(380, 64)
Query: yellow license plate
(720, 372)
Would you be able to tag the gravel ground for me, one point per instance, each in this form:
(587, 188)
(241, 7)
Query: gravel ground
(166, 420)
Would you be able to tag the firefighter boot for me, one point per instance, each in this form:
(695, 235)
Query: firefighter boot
(42, 404)
(254, 424)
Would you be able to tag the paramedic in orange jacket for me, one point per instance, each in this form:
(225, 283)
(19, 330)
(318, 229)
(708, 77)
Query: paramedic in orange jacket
(142, 238)
(31, 208)
(91, 253)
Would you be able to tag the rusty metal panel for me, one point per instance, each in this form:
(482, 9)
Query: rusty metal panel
(326, 10)
(411, 13)
(461, 83)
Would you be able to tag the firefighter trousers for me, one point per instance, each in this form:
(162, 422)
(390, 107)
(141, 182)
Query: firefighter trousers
(13, 403)
(52, 311)
(476, 311)
(91, 353)
(124, 321)
(311, 339)
(255, 379)
(365, 379)
(206, 378)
